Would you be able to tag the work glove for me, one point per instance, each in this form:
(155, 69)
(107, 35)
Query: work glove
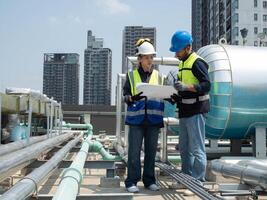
(176, 98)
(180, 86)
(137, 97)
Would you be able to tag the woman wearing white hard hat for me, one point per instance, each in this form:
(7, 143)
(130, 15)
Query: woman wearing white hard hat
(144, 117)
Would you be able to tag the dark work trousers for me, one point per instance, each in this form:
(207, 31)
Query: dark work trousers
(135, 139)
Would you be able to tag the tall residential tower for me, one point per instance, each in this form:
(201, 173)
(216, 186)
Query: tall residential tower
(97, 72)
(61, 77)
(229, 19)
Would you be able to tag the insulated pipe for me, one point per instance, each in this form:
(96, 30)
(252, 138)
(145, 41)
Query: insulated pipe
(60, 118)
(245, 173)
(120, 77)
(14, 146)
(47, 120)
(29, 132)
(51, 117)
(28, 185)
(96, 146)
(72, 176)
(87, 126)
(12, 161)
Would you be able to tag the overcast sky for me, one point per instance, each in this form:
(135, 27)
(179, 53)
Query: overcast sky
(30, 28)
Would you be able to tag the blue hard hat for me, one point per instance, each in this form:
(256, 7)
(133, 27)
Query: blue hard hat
(180, 40)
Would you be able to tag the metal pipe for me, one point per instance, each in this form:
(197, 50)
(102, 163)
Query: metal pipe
(28, 185)
(170, 121)
(0, 119)
(14, 146)
(163, 145)
(171, 61)
(96, 146)
(119, 106)
(29, 132)
(120, 150)
(89, 127)
(164, 151)
(47, 120)
(72, 176)
(60, 118)
(248, 174)
(28, 154)
(51, 117)
(188, 181)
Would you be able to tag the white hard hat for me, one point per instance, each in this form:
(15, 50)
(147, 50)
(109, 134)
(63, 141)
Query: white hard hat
(145, 48)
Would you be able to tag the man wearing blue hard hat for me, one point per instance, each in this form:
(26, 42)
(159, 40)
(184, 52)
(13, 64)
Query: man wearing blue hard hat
(193, 86)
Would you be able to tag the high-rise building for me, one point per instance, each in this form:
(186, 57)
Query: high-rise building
(61, 77)
(238, 21)
(130, 36)
(97, 72)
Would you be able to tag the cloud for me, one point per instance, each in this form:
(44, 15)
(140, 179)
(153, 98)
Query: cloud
(53, 19)
(69, 19)
(114, 6)
(74, 19)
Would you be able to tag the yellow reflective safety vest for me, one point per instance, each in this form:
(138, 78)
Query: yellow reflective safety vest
(186, 76)
(185, 70)
(149, 109)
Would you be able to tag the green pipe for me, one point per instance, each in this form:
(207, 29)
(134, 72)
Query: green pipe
(89, 127)
(174, 159)
(72, 176)
(96, 146)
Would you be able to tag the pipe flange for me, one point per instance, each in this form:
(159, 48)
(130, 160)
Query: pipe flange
(86, 141)
(78, 182)
(86, 152)
(35, 184)
(76, 170)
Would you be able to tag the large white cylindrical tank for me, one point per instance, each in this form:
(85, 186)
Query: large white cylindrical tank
(238, 90)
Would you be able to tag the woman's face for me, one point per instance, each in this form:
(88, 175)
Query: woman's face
(146, 61)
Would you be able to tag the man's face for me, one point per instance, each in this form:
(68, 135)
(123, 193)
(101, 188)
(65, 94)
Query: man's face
(183, 53)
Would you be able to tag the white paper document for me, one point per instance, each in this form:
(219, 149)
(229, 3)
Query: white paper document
(155, 91)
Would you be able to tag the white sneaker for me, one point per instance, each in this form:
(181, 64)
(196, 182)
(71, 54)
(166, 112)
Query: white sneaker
(188, 193)
(133, 189)
(153, 187)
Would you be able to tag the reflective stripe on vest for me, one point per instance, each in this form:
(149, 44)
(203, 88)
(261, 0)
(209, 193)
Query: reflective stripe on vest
(186, 76)
(194, 100)
(153, 108)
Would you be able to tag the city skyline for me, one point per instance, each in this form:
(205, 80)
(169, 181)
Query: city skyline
(31, 28)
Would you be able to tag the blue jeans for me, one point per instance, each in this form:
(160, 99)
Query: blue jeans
(135, 139)
(192, 146)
